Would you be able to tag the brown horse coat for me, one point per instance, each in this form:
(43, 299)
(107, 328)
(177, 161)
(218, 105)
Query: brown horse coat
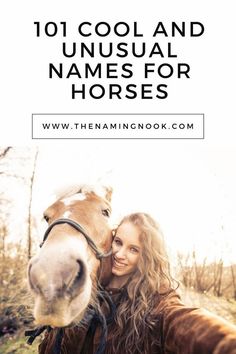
(179, 329)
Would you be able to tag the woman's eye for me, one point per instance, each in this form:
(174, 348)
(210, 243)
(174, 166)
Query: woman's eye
(106, 212)
(134, 250)
(117, 242)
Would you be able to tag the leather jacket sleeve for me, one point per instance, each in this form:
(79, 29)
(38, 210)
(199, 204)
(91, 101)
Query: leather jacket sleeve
(194, 331)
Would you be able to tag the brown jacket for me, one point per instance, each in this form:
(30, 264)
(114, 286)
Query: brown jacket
(179, 330)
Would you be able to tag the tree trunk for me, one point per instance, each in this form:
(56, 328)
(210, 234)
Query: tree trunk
(30, 205)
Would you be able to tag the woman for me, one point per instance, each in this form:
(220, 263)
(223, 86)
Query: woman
(150, 318)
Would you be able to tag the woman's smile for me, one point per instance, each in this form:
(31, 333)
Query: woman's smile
(118, 264)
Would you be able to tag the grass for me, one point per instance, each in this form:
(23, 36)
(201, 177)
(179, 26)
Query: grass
(16, 344)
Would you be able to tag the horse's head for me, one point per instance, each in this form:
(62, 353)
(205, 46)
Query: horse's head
(64, 274)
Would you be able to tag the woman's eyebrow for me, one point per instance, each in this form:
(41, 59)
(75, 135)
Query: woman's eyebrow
(135, 246)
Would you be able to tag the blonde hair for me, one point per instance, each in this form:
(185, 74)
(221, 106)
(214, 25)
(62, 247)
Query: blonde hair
(151, 280)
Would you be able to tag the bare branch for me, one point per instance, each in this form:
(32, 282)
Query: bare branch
(5, 151)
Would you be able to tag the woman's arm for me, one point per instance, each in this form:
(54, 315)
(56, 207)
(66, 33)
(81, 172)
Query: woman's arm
(194, 331)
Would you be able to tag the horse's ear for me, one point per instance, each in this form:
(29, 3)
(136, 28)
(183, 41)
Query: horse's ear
(108, 193)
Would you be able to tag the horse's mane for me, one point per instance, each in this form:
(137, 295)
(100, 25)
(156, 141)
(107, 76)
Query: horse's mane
(67, 191)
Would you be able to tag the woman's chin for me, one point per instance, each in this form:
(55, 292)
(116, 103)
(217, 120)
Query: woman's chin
(118, 272)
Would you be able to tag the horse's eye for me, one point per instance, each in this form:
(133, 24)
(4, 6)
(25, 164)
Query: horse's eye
(46, 218)
(106, 212)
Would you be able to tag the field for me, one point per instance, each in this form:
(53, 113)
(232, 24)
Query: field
(218, 305)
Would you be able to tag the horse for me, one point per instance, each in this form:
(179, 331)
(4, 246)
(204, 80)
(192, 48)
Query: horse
(75, 257)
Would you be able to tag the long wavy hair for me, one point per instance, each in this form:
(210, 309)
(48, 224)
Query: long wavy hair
(151, 280)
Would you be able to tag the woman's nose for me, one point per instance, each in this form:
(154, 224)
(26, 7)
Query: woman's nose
(121, 253)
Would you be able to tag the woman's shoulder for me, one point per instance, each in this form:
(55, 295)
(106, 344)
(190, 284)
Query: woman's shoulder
(169, 298)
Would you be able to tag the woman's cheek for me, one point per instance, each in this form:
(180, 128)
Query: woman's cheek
(135, 259)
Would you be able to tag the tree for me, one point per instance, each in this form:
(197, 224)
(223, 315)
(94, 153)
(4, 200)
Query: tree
(31, 184)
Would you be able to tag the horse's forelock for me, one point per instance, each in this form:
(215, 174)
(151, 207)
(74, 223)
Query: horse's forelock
(101, 191)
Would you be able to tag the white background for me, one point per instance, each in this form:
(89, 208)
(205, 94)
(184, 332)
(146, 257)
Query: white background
(189, 186)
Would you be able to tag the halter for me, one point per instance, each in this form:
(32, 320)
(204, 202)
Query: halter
(98, 316)
(79, 228)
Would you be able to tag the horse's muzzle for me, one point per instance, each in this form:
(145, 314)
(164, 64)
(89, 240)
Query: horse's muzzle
(53, 280)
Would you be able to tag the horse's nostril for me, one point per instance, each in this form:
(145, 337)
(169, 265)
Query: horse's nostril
(29, 277)
(80, 264)
(80, 273)
(78, 280)
(32, 279)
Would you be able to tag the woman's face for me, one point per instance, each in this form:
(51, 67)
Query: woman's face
(126, 249)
